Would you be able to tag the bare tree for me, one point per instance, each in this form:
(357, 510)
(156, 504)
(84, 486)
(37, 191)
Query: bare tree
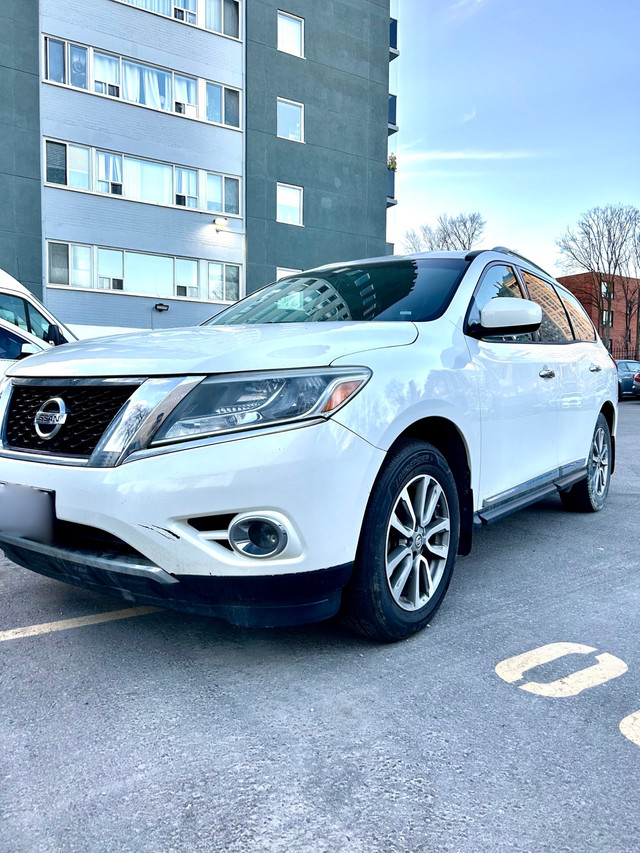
(602, 244)
(450, 233)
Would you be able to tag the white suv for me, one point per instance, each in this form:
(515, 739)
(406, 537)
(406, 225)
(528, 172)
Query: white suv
(327, 443)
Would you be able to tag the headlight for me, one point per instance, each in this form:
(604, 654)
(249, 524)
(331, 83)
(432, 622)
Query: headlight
(248, 400)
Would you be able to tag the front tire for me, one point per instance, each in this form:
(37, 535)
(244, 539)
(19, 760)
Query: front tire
(408, 545)
(590, 494)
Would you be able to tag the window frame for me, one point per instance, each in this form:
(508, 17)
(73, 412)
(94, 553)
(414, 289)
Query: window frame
(224, 265)
(201, 176)
(200, 17)
(202, 273)
(549, 282)
(201, 84)
(293, 104)
(281, 12)
(291, 187)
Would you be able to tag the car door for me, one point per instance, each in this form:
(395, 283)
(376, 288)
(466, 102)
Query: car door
(518, 404)
(579, 363)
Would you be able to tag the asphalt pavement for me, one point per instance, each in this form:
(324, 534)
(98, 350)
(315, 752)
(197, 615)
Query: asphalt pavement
(168, 733)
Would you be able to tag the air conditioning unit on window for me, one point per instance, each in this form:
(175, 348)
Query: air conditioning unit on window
(117, 284)
(181, 200)
(114, 91)
(183, 290)
(106, 283)
(178, 13)
(115, 188)
(186, 109)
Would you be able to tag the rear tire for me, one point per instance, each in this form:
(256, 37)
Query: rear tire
(408, 545)
(590, 494)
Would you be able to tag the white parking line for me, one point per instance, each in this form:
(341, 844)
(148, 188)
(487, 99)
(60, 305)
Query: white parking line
(80, 622)
(630, 727)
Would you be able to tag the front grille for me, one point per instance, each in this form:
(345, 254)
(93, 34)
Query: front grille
(91, 408)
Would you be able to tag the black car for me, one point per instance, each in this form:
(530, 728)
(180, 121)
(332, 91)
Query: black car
(627, 369)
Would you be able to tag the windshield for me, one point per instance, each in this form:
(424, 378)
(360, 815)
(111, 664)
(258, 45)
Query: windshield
(410, 290)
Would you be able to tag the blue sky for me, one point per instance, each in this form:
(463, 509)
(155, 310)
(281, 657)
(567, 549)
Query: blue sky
(525, 110)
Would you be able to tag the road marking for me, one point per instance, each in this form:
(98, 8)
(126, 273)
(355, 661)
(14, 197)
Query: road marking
(608, 667)
(80, 622)
(630, 727)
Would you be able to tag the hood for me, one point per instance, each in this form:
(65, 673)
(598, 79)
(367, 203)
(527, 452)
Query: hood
(216, 349)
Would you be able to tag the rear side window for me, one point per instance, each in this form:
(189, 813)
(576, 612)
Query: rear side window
(555, 328)
(497, 281)
(582, 326)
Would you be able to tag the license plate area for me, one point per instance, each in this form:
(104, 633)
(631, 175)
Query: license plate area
(26, 512)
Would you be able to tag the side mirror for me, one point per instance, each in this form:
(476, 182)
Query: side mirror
(55, 336)
(29, 349)
(506, 315)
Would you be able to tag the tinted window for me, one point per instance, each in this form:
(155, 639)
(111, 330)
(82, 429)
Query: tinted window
(10, 344)
(498, 281)
(555, 326)
(415, 290)
(582, 326)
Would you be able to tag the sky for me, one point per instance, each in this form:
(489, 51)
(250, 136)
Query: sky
(527, 111)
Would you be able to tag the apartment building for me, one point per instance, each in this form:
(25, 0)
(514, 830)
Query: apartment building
(165, 157)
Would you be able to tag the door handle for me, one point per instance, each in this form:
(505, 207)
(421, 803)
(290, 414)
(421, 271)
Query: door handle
(595, 368)
(547, 373)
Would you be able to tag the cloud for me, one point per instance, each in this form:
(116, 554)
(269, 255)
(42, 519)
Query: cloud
(462, 10)
(469, 116)
(426, 156)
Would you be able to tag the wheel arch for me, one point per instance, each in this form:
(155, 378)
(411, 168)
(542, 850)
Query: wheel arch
(446, 437)
(609, 412)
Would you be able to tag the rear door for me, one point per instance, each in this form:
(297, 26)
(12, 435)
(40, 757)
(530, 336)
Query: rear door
(579, 363)
(518, 405)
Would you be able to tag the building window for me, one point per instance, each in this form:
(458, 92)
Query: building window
(220, 16)
(139, 180)
(138, 83)
(145, 180)
(186, 187)
(144, 84)
(187, 278)
(224, 282)
(289, 204)
(161, 7)
(223, 194)
(285, 272)
(109, 179)
(223, 16)
(607, 289)
(290, 34)
(223, 105)
(106, 74)
(186, 98)
(96, 267)
(607, 319)
(290, 120)
(67, 165)
(185, 10)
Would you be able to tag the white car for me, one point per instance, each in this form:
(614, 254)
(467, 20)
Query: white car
(327, 443)
(16, 344)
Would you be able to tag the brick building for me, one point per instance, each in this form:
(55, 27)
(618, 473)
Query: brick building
(623, 337)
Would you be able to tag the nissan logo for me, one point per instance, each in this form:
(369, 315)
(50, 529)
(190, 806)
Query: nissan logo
(50, 418)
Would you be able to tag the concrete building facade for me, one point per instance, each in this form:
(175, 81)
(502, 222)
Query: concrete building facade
(165, 157)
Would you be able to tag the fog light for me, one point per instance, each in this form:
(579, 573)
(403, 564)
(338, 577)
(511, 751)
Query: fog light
(258, 537)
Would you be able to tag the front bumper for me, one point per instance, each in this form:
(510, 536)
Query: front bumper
(317, 477)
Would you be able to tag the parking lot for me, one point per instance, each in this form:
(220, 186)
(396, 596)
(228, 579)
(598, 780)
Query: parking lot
(164, 732)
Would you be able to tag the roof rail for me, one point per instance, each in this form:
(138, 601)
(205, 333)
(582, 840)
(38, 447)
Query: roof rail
(503, 250)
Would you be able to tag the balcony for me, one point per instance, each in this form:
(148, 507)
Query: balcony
(393, 124)
(393, 39)
(391, 188)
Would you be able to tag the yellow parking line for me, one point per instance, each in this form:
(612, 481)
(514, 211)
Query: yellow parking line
(80, 622)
